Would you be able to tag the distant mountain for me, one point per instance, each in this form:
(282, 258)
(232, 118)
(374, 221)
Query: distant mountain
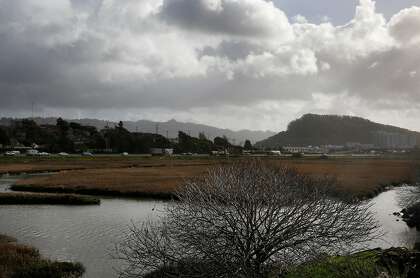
(317, 130)
(169, 128)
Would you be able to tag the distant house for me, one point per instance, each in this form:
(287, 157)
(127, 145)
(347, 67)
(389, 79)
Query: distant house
(220, 152)
(161, 151)
(32, 152)
(359, 146)
(309, 149)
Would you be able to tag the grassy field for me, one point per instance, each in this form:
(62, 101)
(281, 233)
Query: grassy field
(359, 176)
(24, 164)
(20, 261)
(159, 177)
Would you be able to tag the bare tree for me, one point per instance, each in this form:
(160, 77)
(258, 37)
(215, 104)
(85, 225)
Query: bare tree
(242, 220)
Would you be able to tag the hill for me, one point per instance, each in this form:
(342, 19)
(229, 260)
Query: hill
(318, 130)
(169, 128)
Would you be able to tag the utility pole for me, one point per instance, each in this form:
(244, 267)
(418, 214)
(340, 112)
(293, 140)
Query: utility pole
(167, 134)
(157, 129)
(32, 104)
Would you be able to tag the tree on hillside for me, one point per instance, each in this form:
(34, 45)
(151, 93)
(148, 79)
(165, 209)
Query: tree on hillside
(120, 125)
(221, 142)
(27, 132)
(62, 125)
(243, 220)
(63, 141)
(247, 145)
(191, 144)
(4, 138)
(202, 136)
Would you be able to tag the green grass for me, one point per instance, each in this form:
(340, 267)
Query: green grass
(360, 265)
(46, 199)
(394, 262)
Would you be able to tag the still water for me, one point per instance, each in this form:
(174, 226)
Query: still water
(89, 233)
(76, 233)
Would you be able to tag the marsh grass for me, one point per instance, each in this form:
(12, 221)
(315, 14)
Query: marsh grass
(160, 177)
(20, 261)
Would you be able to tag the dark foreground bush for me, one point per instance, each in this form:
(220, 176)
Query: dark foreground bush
(47, 269)
(186, 268)
(411, 215)
(20, 261)
(392, 263)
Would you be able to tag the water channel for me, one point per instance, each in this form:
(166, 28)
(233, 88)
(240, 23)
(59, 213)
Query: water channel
(88, 234)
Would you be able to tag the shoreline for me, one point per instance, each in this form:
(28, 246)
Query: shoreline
(164, 195)
(159, 195)
(29, 198)
(93, 192)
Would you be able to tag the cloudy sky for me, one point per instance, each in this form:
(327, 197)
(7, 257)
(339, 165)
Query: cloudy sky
(253, 64)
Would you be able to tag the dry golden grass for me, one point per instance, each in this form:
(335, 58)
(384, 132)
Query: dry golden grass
(34, 164)
(142, 179)
(358, 176)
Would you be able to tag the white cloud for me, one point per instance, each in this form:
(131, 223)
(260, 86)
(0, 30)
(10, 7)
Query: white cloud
(404, 26)
(193, 57)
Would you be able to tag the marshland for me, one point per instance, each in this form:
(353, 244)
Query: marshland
(137, 189)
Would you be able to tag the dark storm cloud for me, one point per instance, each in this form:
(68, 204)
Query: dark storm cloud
(243, 18)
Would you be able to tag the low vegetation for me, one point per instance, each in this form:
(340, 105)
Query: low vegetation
(10, 198)
(156, 181)
(160, 177)
(20, 261)
(394, 262)
(359, 177)
(19, 165)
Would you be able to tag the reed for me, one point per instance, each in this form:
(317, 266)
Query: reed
(21, 261)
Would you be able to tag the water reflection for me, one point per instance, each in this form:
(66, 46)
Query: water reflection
(78, 233)
(397, 233)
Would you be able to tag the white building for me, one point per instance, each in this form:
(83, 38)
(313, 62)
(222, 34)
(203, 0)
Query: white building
(161, 151)
(308, 149)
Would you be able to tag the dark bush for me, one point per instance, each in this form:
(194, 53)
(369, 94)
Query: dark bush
(45, 269)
